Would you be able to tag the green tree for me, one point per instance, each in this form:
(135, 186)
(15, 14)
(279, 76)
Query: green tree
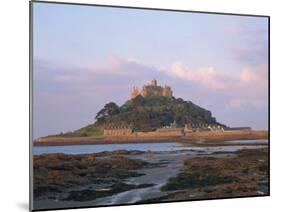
(138, 101)
(110, 109)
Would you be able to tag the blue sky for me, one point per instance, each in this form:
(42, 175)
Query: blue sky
(86, 56)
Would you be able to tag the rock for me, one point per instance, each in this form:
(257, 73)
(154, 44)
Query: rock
(88, 158)
(54, 173)
(217, 177)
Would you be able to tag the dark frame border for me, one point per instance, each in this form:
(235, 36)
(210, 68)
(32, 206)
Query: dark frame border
(138, 8)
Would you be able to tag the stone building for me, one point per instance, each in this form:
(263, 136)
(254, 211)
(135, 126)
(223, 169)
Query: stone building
(117, 131)
(152, 89)
(171, 130)
(187, 129)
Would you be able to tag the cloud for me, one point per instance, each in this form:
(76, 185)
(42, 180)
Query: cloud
(207, 76)
(120, 66)
(247, 87)
(248, 47)
(248, 43)
(115, 74)
(252, 87)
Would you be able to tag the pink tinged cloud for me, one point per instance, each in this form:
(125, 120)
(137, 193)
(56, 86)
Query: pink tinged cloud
(252, 85)
(249, 87)
(114, 66)
(118, 66)
(206, 75)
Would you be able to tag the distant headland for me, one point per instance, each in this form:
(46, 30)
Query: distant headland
(152, 114)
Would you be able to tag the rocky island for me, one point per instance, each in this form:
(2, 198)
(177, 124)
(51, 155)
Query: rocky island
(152, 115)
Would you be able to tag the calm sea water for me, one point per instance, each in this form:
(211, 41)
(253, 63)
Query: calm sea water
(260, 141)
(79, 149)
(172, 146)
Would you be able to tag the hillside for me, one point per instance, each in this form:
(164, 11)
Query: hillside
(147, 114)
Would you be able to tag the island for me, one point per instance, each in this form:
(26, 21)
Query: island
(152, 114)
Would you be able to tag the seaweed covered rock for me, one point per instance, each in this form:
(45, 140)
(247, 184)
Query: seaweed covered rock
(55, 172)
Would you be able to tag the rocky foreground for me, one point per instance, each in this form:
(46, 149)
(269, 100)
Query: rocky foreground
(70, 177)
(87, 177)
(220, 175)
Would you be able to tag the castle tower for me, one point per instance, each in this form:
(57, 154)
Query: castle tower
(144, 91)
(154, 83)
(167, 91)
(134, 92)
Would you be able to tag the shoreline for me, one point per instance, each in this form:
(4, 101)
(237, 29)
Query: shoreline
(198, 138)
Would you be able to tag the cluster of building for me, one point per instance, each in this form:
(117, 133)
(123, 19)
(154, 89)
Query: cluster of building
(171, 130)
(151, 90)
(112, 130)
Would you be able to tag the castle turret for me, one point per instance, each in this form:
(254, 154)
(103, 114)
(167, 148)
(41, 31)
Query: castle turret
(154, 83)
(167, 91)
(134, 92)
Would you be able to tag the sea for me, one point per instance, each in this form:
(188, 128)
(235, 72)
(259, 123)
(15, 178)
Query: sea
(153, 147)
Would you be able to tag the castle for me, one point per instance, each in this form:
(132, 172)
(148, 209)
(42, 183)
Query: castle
(152, 89)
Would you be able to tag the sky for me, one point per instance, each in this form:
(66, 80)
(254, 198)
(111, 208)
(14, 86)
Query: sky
(86, 56)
